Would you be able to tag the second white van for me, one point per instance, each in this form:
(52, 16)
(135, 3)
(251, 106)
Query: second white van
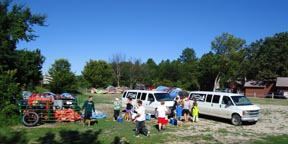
(236, 107)
(150, 99)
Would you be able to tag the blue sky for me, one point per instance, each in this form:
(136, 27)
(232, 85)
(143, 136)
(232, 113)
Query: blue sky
(80, 30)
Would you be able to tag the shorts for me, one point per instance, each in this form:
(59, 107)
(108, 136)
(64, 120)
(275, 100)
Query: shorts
(162, 120)
(186, 111)
(128, 111)
(88, 115)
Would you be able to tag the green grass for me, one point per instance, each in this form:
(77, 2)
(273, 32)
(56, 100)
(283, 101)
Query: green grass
(109, 131)
(279, 139)
(267, 101)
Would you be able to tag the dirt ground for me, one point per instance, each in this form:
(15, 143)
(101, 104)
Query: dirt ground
(273, 122)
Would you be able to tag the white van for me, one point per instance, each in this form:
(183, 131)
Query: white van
(150, 99)
(236, 107)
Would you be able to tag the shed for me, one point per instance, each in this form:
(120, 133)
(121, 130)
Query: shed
(258, 88)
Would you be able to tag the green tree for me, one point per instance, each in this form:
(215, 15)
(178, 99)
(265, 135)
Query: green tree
(16, 24)
(29, 65)
(208, 69)
(63, 80)
(168, 73)
(116, 61)
(188, 70)
(268, 58)
(135, 72)
(9, 91)
(150, 70)
(98, 73)
(188, 55)
(230, 51)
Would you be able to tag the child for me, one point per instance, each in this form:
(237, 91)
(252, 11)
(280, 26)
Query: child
(129, 107)
(179, 111)
(162, 110)
(116, 108)
(140, 120)
(195, 111)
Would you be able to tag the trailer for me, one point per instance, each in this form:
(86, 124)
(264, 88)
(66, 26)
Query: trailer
(48, 107)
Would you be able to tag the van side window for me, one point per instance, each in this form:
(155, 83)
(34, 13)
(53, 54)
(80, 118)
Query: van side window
(209, 98)
(131, 95)
(226, 100)
(198, 96)
(150, 97)
(124, 94)
(143, 96)
(216, 99)
(138, 95)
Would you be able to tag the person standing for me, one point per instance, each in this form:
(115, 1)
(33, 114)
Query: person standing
(173, 110)
(139, 120)
(179, 112)
(129, 107)
(88, 107)
(186, 109)
(161, 110)
(195, 111)
(116, 108)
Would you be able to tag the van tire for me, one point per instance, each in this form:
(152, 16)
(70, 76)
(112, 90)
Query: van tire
(236, 120)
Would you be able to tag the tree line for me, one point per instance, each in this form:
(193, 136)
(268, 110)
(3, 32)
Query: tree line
(230, 57)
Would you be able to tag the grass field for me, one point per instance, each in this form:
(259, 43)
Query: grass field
(107, 131)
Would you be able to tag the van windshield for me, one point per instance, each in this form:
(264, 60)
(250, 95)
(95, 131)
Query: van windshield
(241, 100)
(163, 97)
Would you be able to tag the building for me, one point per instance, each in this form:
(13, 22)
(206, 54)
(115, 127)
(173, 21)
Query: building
(262, 89)
(46, 78)
(258, 88)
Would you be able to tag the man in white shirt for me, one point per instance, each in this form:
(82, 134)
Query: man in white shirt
(140, 120)
(161, 110)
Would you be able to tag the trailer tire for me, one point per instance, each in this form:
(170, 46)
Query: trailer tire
(30, 119)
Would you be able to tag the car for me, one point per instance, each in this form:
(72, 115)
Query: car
(236, 107)
(150, 99)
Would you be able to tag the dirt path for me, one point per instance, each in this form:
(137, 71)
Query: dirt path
(273, 122)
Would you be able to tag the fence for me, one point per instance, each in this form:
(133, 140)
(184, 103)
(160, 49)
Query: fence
(270, 95)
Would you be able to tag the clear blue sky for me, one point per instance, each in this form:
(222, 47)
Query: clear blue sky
(80, 30)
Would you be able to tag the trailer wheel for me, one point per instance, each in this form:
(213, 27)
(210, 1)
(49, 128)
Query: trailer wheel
(30, 119)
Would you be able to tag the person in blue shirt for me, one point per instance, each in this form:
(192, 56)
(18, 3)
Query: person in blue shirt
(179, 110)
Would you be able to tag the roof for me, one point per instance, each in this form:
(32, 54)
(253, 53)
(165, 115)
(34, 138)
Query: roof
(282, 82)
(256, 84)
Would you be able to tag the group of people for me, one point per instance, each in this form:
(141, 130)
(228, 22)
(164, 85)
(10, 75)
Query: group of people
(138, 116)
(181, 108)
(186, 108)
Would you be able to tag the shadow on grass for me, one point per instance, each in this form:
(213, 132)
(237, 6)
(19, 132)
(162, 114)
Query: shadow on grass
(15, 138)
(71, 137)
(64, 137)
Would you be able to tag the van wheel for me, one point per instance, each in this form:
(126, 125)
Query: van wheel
(236, 120)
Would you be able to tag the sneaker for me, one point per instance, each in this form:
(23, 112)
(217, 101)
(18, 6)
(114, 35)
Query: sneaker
(148, 133)
(137, 136)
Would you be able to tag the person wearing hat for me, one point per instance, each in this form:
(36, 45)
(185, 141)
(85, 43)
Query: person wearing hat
(116, 108)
